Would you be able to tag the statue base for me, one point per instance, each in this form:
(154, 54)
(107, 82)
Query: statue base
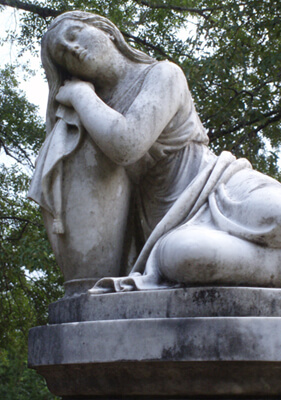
(184, 343)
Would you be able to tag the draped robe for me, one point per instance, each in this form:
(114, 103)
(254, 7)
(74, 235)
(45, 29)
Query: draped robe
(176, 182)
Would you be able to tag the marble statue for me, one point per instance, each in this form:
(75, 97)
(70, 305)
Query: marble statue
(132, 197)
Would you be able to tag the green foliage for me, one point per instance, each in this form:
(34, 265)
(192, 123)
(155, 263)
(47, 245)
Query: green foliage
(29, 277)
(231, 58)
(230, 51)
(236, 79)
(17, 381)
(21, 130)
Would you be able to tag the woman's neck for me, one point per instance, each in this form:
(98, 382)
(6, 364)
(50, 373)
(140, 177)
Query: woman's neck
(126, 78)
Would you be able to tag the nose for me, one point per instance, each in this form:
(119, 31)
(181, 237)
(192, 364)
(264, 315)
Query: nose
(73, 49)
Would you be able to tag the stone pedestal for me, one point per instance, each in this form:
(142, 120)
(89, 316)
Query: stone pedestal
(173, 343)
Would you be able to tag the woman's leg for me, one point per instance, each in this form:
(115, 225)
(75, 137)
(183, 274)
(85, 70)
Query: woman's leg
(252, 201)
(204, 256)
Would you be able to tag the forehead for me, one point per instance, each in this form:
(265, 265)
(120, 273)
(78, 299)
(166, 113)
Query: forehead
(67, 25)
(66, 28)
(58, 36)
(67, 34)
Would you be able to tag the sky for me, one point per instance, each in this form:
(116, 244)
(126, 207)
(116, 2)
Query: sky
(35, 87)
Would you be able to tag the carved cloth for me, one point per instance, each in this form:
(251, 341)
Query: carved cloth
(46, 183)
(176, 182)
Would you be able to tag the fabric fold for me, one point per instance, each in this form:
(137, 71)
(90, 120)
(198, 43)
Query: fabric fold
(190, 202)
(46, 184)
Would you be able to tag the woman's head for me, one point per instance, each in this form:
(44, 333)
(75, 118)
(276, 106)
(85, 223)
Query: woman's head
(57, 51)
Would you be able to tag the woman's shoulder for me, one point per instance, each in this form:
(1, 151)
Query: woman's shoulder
(168, 75)
(167, 69)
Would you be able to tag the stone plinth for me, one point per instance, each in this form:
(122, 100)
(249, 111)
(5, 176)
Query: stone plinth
(158, 345)
(173, 303)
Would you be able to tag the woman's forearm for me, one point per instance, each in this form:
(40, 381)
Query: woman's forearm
(111, 131)
(126, 138)
(106, 126)
(120, 138)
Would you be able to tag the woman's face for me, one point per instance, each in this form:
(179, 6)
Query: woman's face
(85, 51)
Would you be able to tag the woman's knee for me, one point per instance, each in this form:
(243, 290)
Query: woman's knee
(183, 250)
(265, 205)
(204, 256)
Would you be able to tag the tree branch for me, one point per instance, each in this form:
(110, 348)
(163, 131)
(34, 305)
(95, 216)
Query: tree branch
(204, 12)
(20, 234)
(275, 114)
(276, 118)
(20, 219)
(25, 155)
(146, 44)
(10, 152)
(43, 12)
(198, 11)
(49, 12)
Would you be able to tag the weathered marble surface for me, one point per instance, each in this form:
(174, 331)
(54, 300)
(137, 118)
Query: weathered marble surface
(179, 342)
(166, 339)
(211, 378)
(184, 342)
(169, 303)
(125, 144)
(133, 198)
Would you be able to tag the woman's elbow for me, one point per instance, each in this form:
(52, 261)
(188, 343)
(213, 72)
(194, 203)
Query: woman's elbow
(125, 158)
(126, 148)
(127, 153)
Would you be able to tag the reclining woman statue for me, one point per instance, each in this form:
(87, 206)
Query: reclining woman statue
(126, 147)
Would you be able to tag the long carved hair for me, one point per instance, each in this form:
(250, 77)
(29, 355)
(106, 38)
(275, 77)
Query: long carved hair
(56, 75)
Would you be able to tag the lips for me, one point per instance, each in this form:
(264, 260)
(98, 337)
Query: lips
(79, 53)
(82, 54)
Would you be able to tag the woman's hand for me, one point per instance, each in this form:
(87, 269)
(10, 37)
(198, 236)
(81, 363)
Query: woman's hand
(72, 89)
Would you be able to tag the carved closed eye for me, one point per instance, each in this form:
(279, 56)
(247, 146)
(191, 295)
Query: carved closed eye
(71, 34)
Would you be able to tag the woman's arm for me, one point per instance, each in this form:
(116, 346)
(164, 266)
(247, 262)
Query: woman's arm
(126, 138)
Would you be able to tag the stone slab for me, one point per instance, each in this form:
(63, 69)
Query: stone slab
(174, 303)
(169, 398)
(178, 380)
(156, 357)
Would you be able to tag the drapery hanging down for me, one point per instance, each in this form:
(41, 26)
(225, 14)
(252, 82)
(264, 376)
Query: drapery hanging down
(203, 191)
(46, 184)
(179, 179)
